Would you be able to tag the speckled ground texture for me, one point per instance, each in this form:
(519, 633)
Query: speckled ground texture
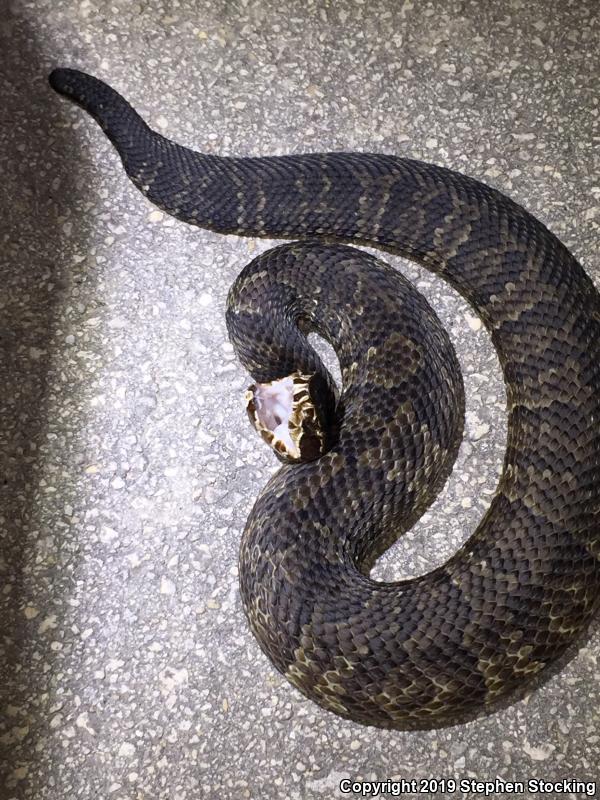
(128, 463)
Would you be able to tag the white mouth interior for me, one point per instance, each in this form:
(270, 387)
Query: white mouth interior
(274, 403)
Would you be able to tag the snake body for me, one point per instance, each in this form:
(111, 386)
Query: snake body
(425, 651)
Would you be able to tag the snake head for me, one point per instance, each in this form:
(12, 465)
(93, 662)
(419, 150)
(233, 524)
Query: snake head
(285, 414)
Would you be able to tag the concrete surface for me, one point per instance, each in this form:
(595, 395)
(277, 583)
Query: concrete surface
(128, 463)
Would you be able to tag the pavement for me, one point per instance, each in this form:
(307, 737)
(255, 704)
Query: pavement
(128, 465)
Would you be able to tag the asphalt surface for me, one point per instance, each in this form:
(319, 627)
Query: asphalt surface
(129, 467)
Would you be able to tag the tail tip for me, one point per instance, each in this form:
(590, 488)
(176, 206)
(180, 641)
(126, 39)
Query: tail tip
(58, 79)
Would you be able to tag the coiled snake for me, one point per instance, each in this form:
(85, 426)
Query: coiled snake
(425, 651)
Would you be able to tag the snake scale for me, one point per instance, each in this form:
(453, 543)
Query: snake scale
(427, 651)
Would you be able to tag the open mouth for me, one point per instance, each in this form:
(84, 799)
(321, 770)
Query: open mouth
(284, 414)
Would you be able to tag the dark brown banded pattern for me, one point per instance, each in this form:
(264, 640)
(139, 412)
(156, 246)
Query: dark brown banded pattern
(426, 651)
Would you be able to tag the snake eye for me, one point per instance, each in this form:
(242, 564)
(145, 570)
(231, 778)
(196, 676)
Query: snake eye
(284, 413)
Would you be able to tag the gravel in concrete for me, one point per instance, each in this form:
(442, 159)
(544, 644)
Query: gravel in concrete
(128, 464)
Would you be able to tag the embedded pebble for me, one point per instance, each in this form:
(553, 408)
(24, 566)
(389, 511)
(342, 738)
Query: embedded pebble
(474, 322)
(127, 750)
(167, 586)
(480, 431)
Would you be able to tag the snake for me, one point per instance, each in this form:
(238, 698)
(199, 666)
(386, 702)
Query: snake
(361, 463)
